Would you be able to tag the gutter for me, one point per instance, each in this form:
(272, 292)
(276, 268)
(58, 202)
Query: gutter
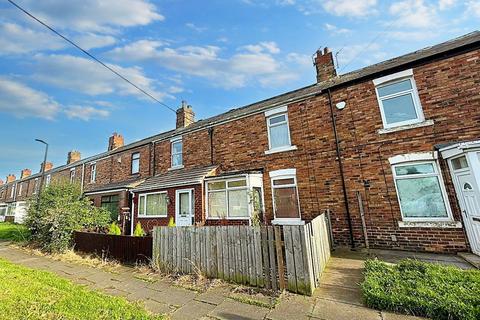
(340, 167)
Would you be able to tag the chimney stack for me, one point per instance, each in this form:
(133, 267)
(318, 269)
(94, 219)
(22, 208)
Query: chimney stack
(324, 65)
(11, 178)
(185, 115)
(25, 173)
(115, 141)
(73, 156)
(48, 166)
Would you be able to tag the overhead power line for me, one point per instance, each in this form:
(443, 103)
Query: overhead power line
(91, 56)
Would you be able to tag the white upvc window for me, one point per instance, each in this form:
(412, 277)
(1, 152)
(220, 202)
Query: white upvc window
(72, 175)
(286, 203)
(177, 153)
(93, 172)
(135, 168)
(153, 205)
(12, 193)
(35, 186)
(421, 191)
(48, 179)
(278, 130)
(235, 197)
(398, 99)
(20, 189)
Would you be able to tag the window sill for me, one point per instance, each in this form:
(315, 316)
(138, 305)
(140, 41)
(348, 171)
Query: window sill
(149, 217)
(288, 222)
(424, 123)
(176, 168)
(228, 218)
(282, 149)
(430, 224)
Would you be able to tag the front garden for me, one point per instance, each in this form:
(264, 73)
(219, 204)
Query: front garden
(422, 289)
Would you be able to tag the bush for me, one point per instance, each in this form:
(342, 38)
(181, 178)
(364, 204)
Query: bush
(138, 232)
(114, 229)
(422, 289)
(171, 222)
(62, 210)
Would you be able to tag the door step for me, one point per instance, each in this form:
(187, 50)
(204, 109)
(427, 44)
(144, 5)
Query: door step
(471, 258)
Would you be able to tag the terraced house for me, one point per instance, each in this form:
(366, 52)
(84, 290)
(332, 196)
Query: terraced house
(390, 150)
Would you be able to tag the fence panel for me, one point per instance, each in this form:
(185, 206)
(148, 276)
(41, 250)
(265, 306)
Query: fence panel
(278, 258)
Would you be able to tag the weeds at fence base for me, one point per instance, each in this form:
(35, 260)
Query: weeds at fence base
(256, 296)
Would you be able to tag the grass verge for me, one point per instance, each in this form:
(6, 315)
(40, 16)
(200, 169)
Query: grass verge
(32, 294)
(13, 232)
(422, 289)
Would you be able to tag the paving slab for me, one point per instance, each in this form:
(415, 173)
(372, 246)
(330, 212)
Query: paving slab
(156, 307)
(214, 295)
(234, 310)
(174, 296)
(292, 307)
(340, 294)
(142, 294)
(192, 310)
(396, 316)
(334, 310)
(335, 278)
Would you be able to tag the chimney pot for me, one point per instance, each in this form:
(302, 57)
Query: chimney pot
(1, 182)
(185, 115)
(73, 156)
(11, 178)
(48, 166)
(324, 65)
(25, 173)
(115, 141)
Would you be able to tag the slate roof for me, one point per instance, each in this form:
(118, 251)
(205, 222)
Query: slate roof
(174, 178)
(128, 184)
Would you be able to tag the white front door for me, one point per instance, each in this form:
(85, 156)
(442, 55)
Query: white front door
(468, 194)
(184, 213)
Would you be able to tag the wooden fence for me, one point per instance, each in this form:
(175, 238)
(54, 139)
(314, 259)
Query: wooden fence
(122, 248)
(288, 257)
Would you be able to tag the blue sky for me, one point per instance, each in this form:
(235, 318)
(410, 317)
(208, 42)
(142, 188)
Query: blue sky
(215, 54)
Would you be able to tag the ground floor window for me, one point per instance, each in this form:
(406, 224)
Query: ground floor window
(153, 204)
(11, 209)
(420, 190)
(285, 194)
(111, 203)
(3, 210)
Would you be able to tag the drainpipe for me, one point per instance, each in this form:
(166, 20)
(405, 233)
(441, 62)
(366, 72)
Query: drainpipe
(340, 167)
(210, 133)
(154, 160)
(83, 177)
(132, 213)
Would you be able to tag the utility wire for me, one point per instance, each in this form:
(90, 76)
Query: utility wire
(91, 56)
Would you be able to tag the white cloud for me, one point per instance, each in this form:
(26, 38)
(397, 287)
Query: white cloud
(90, 41)
(85, 76)
(85, 112)
(473, 6)
(23, 101)
(250, 63)
(446, 4)
(195, 27)
(414, 14)
(15, 39)
(336, 30)
(349, 8)
(94, 15)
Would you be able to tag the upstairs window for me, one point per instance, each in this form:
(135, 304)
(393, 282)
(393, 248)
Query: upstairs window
(47, 182)
(398, 99)
(135, 162)
(35, 186)
(20, 189)
(72, 175)
(177, 153)
(278, 130)
(421, 192)
(93, 172)
(12, 194)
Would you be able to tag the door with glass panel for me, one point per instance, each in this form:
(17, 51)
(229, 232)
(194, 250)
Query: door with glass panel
(184, 213)
(468, 194)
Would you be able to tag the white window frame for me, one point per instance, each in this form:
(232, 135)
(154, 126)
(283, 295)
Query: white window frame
(394, 78)
(135, 158)
(47, 180)
(145, 205)
(275, 113)
(172, 142)
(35, 186)
(20, 189)
(72, 175)
(227, 180)
(437, 173)
(93, 172)
(12, 192)
(285, 174)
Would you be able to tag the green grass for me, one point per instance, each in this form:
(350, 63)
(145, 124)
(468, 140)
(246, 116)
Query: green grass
(13, 232)
(422, 289)
(32, 294)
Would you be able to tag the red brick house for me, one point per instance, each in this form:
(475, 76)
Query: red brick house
(390, 150)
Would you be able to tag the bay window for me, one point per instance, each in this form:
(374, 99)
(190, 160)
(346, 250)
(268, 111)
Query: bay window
(285, 196)
(421, 192)
(153, 205)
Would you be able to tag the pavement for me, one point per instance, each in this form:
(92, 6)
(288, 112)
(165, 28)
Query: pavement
(338, 297)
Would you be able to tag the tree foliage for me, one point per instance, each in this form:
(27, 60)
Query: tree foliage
(62, 209)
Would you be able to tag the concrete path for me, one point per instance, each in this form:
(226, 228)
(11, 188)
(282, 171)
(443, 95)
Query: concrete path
(338, 297)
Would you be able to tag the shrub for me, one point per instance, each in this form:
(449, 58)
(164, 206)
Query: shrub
(171, 222)
(138, 232)
(62, 210)
(422, 289)
(114, 229)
